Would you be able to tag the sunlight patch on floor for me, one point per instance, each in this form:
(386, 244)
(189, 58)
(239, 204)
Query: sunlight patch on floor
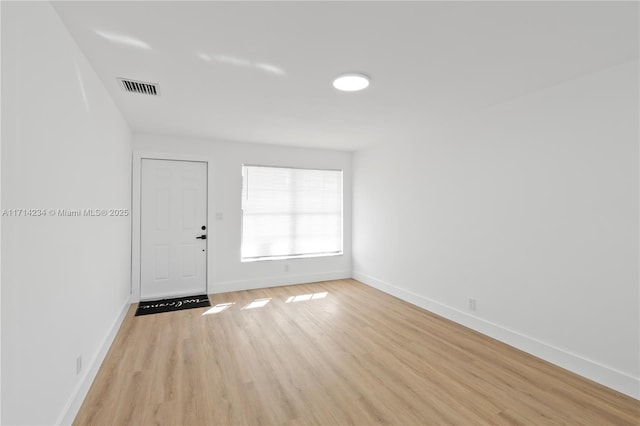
(305, 297)
(219, 308)
(258, 303)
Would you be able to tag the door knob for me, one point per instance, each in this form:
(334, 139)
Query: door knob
(201, 237)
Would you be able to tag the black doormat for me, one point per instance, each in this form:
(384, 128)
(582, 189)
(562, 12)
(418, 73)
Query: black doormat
(168, 305)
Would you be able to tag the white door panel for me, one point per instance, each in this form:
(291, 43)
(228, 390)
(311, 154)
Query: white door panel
(173, 210)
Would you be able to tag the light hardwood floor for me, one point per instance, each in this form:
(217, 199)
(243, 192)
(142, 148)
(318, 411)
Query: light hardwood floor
(350, 355)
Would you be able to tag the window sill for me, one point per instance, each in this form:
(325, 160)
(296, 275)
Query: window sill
(302, 256)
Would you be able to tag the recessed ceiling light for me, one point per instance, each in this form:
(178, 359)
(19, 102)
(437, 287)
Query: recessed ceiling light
(351, 82)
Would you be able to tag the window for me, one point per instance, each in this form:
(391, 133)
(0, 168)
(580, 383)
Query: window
(290, 213)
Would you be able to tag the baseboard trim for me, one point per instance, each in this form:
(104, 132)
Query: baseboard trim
(590, 369)
(84, 384)
(279, 281)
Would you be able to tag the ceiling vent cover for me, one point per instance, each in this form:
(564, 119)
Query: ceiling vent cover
(142, 87)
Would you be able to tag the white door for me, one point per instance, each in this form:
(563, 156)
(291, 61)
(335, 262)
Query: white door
(173, 229)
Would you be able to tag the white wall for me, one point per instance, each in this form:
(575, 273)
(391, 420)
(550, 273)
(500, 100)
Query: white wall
(226, 272)
(0, 232)
(65, 280)
(531, 208)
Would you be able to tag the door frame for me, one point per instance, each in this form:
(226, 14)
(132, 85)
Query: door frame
(138, 156)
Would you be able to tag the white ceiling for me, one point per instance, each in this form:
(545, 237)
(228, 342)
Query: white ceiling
(262, 71)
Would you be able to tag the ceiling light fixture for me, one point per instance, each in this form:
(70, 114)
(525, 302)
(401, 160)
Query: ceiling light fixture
(351, 82)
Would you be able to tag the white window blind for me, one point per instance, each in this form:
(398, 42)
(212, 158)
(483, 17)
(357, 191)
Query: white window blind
(290, 212)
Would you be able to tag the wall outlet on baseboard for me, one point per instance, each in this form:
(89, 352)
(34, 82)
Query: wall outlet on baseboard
(472, 304)
(78, 364)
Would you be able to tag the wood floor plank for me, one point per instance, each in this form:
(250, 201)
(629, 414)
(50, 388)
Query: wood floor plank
(331, 353)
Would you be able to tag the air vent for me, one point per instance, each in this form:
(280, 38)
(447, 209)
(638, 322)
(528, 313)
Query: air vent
(141, 87)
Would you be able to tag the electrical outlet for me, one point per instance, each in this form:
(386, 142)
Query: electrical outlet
(78, 364)
(219, 216)
(472, 304)
(286, 268)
